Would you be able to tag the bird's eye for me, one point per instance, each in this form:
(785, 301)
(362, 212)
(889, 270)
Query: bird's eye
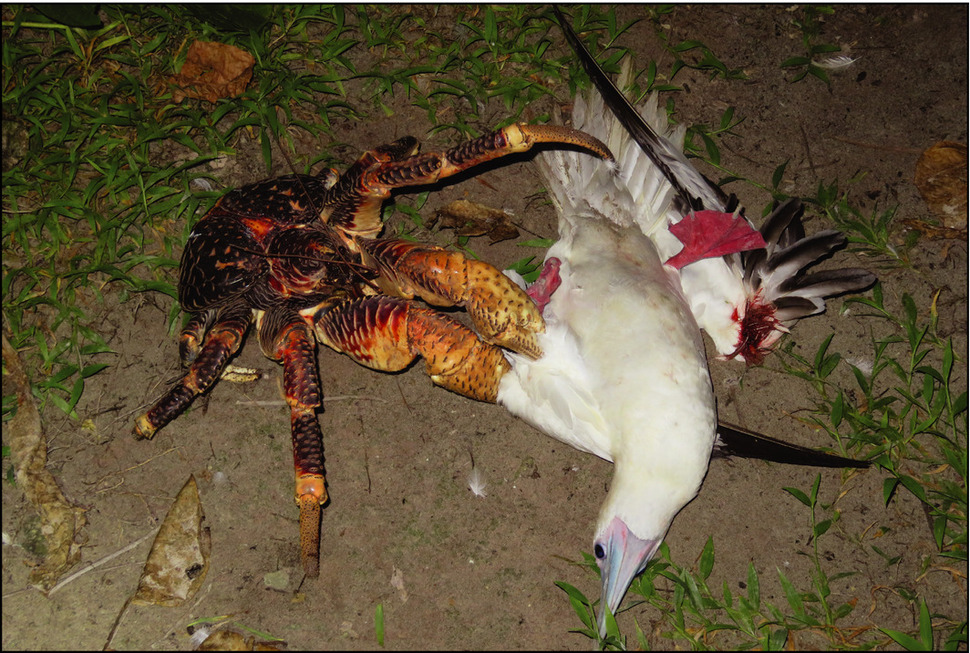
(599, 551)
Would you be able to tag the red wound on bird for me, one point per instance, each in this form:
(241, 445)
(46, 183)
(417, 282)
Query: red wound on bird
(547, 283)
(707, 234)
(759, 329)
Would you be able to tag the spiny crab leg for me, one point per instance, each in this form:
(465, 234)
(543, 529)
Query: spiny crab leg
(206, 362)
(286, 336)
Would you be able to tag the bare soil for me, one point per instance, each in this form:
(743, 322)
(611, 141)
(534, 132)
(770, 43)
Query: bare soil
(453, 570)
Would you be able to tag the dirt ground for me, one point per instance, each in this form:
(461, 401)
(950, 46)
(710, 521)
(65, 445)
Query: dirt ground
(453, 570)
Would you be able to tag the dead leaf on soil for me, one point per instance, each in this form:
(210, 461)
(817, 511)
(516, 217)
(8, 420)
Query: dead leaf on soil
(397, 582)
(473, 219)
(60, 520)
(230, 640)
(179, 558)
(212, 71)
(941, 177)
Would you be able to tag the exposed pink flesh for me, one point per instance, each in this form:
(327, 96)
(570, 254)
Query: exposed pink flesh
(547, 283)
(707, 234)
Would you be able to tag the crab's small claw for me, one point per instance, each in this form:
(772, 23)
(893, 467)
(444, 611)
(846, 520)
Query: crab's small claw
(503, 314)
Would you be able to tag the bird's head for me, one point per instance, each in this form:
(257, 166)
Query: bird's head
(621, 556)
(639, 508)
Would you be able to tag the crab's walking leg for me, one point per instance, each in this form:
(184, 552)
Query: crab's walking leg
(502, 312)
(284, 336)
(386, 333)
(428, 168)
(365, 186)
(207, 362)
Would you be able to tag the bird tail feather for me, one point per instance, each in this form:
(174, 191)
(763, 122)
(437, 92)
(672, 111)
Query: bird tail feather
(777, 271)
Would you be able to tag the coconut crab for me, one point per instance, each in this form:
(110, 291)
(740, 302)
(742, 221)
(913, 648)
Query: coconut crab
(299, 256)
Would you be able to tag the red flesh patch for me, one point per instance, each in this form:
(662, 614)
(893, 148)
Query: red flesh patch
(757, 325)
(549, 280)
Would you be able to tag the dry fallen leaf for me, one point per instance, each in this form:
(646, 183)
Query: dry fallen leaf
(941, 177)
(212, 71)
(397, 582)
(179, 558)
(60, 520)
(230, 640)
(473, 219)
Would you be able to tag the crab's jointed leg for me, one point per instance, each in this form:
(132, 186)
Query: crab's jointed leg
(432, 166)
(367, 184)
(387, 334)
(207, 362)
(502, 312)
(284, 336)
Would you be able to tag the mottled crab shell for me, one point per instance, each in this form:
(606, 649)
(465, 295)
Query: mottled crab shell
(225, 253)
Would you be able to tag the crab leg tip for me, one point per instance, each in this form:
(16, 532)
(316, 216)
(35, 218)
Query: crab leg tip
(310, 534)
(144, 428)
(561, 134)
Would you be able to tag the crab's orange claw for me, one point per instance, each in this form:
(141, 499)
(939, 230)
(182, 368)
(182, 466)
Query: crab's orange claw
(503, 314)
(387, 334)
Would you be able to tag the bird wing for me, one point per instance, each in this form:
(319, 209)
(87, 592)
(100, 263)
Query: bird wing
(744, 301)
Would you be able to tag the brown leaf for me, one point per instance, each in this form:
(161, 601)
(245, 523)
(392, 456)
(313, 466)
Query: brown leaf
(230, 640)
(212, 71)
(179, 558)
(941, 177)
(60, 520)
(472, 219)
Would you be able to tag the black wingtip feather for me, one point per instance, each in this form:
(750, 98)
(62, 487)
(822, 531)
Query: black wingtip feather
(784, 225)
(790, 309)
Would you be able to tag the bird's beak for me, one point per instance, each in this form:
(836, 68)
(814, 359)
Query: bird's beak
(624, 555)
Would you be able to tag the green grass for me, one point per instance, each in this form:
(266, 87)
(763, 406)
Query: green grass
(104, 176)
